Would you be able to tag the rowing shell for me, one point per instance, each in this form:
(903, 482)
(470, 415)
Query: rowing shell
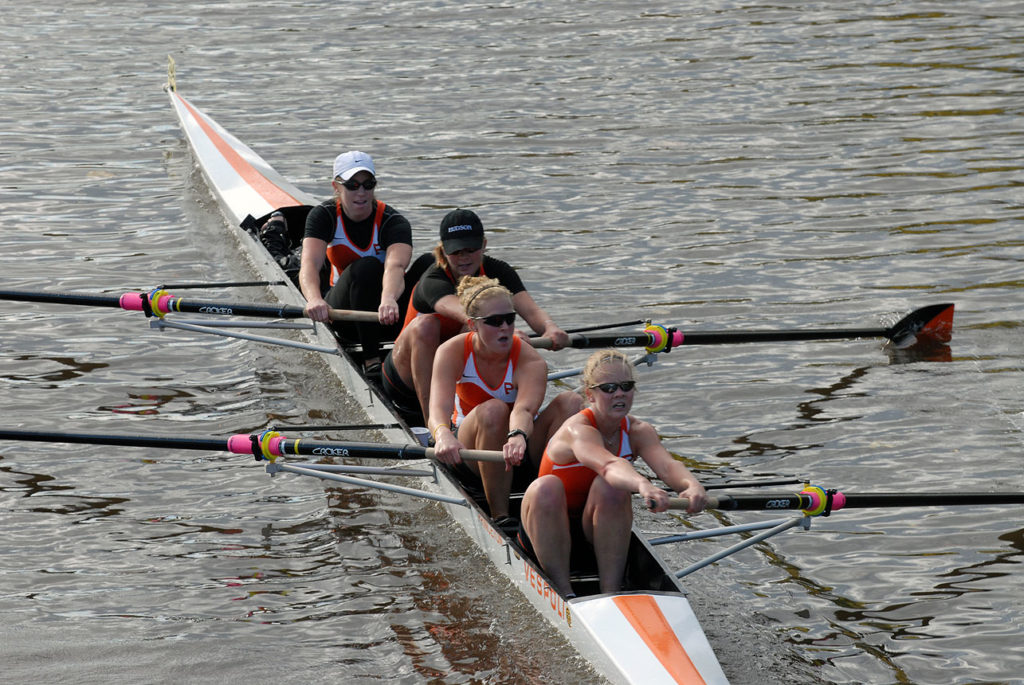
(645, 634)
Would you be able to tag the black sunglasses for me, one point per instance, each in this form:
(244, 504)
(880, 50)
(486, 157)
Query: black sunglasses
(352, 184)
(609, 388)
(497, 319)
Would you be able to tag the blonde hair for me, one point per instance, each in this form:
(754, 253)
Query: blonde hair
(603, 358)
(475, 290)
(439, 257)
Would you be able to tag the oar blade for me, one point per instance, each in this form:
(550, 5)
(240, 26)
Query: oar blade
(933, 323)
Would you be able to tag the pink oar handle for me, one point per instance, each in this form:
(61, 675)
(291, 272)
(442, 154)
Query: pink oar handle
(241, 443)
(161, 303)
(131, 301)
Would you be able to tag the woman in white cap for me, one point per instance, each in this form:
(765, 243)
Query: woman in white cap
(367, 245)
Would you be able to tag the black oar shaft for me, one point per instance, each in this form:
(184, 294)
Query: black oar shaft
(62, 298)
(163, 442)
(246, 444)
(162, 303)
(802, 501)
(931, 499)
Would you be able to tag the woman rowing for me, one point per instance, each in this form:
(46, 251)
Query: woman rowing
(486, 392)
(368, 245)
(435, 313)
(586, 478)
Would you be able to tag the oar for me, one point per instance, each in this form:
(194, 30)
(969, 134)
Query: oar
(268, 445)
(934, 322)
(816, 501)
(159, 303)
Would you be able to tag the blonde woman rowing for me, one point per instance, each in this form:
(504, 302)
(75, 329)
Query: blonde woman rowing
(486, 392)
(583, 494)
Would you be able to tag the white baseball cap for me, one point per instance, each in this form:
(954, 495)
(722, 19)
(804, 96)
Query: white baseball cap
(348, 164)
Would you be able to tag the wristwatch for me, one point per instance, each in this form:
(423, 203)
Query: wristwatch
(517, 431)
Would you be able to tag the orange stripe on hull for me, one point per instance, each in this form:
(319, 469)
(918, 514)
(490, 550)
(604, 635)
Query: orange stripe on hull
(266, 188)
(650, 624)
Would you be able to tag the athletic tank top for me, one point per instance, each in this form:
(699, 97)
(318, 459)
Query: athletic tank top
(471, 390)
(576, 478)
(341, 251)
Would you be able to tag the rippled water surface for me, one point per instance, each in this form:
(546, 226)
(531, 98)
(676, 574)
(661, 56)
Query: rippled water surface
(730, 166)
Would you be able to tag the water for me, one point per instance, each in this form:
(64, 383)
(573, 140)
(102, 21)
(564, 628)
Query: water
(725, 166)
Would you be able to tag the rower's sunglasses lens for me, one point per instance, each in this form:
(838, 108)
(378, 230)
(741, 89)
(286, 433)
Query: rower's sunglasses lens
(497, 320)
(610, 387)
(368, 184)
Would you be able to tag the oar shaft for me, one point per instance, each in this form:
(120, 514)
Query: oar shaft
(934, 321)
(209, 444)
(360, 450)
(62, 298)
(242, 443)
(164, 303)
(811, 499)
(678, 338)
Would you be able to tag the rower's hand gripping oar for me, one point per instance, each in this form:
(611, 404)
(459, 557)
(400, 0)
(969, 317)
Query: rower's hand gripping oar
(816, 501)
(933, 323)
(268, 445)
(160, 302)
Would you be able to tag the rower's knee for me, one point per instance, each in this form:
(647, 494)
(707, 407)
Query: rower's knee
(609, 500)
(492, 416)
(547, 494)
(425, 331)
(567, 403)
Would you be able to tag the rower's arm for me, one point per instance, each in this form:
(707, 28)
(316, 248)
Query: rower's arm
(442, 397)
(539, 320)
(672, 472)
(393, 282)
(314, 252)
(396, 262)
(449, 306)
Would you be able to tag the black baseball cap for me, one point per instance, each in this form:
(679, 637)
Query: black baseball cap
(461, 229)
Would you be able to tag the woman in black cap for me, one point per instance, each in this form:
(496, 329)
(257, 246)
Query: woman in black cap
(435, 313)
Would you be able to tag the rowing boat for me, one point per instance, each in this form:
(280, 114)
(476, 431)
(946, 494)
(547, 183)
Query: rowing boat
(647, 633)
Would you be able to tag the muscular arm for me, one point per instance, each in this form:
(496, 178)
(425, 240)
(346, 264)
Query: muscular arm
(531, 379)
(450, 307)
(396, 261)
(314, 252)
(589, 449)
(646, 443)
(442, 400)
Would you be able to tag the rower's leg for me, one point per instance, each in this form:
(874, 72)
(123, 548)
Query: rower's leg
(547, 524)
(485, 428)
(607, 523)
(421, 339)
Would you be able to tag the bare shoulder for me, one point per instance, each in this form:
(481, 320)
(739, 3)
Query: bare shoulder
(643, 436)
(639, 427)
(570, 439)
(455, 343)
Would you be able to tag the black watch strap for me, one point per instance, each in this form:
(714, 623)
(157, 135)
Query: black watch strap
(517, 431)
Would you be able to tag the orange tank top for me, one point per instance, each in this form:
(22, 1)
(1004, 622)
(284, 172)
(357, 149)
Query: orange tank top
(576, 478)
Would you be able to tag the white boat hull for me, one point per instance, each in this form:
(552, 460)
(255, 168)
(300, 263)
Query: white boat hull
(639, 637)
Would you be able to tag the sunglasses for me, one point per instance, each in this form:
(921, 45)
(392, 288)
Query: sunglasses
(352, 184)
(497, 320)
(609, 388)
